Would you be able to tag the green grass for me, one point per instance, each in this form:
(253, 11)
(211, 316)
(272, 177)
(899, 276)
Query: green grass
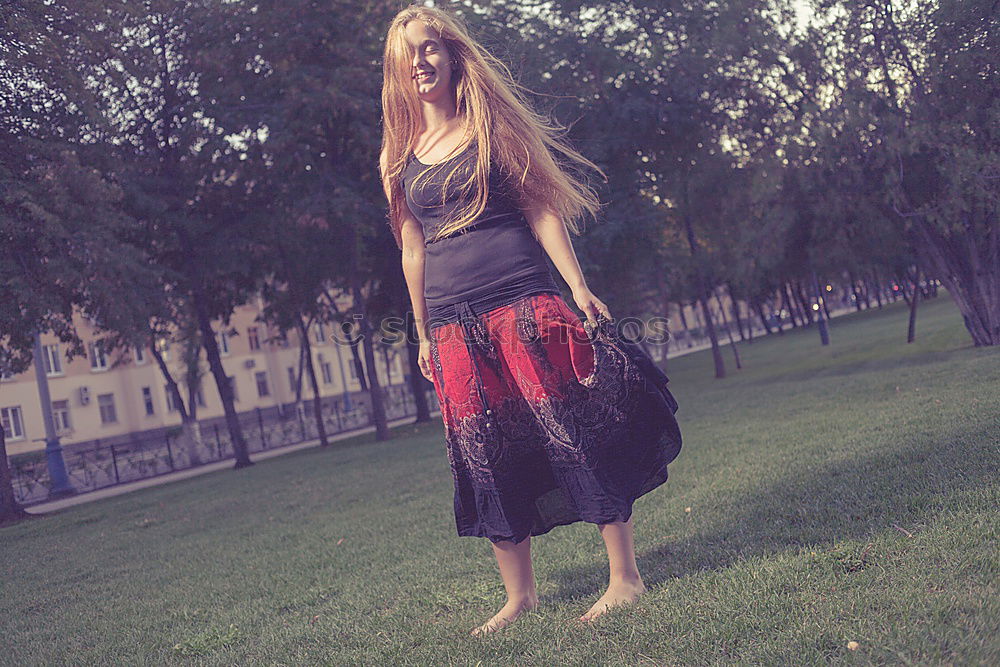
(836, 494)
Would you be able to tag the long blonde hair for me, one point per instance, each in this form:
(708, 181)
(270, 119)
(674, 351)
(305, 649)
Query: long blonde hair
(503, 126)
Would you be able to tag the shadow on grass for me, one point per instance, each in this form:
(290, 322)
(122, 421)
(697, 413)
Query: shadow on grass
(815, 508)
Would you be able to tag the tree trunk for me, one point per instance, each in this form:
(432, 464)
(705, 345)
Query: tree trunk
(788, 304)
(780, 324)
(10, 509)
(375, 389)
(972, 282)
(735, 306)
(759, 309)
(388, 366)
(799, 294)
(418, 383)
(172, 387)
(311, 369)
(240, 449)
(729, 331)
(854, 292)
(300, 375)
(823, 305)
(684, 323)
(875, 287)
(191, 434)
(359, 368)
(720, 366)
(911, 329)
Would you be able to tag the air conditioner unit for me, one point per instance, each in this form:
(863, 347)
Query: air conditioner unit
(249, 363)
(320, 357)
(84, 395)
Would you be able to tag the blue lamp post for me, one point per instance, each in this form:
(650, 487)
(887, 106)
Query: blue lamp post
(60, 484)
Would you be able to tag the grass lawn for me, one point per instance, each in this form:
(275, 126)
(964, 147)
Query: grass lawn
(824, 495)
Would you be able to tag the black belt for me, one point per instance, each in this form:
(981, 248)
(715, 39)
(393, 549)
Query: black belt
(506, 294)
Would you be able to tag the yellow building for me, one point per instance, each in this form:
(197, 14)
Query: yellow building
(91, 399)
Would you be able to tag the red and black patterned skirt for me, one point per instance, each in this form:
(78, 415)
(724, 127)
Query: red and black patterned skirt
(545, 425)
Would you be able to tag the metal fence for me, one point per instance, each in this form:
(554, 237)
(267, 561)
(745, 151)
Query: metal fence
(95, 465)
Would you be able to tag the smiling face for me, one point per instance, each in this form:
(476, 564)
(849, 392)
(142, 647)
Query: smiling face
(431, 65)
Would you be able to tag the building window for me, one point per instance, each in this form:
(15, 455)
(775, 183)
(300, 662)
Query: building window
(140, 355)
(199, 398)
(53, 362)
(353, 366)
(253, 338)
(98, 360)
(13, 426)
(232, 387)
(171, 406)
(262, 388)
(223, 340)
(107, 406)
(326, 370)
(60, 415)
(318, 333)
(147, 400)
(163, 347)
(291, 378)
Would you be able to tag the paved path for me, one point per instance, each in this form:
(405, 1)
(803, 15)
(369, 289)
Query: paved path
(118, 489)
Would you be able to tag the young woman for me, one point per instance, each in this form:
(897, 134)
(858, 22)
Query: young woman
(547, 420)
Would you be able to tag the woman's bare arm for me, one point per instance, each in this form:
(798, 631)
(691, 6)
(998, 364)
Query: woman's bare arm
(413, 269)
(553, 236)
(412, 239)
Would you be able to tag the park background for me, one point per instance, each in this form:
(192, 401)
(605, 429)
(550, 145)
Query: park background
(168, 165)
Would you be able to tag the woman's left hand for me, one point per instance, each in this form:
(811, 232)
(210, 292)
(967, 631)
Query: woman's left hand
(590, 305)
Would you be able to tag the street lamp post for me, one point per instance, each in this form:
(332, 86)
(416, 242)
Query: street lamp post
(60, 484)
(824, 334)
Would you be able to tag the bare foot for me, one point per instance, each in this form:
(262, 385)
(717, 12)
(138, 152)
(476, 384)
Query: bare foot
(506, 615)
(619, 593)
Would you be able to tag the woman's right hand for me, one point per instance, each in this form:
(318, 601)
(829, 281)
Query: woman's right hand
(424, 359)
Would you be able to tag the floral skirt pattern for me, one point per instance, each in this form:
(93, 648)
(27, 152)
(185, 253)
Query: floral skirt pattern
(544, 424)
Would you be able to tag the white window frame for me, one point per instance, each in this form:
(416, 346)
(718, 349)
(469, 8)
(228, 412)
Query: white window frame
(53, 362)
(103, 407)
(61, 418)
(98, 357)
(12, 422)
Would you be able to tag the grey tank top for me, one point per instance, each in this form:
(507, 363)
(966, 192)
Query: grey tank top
(493, 262)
